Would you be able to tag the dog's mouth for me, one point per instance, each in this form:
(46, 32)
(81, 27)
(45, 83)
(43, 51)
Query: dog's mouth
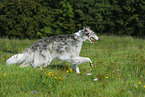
(92, 41)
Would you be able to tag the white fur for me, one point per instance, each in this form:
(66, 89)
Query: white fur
(66, 48)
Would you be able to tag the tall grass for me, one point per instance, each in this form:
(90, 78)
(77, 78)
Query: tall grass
(118, 66)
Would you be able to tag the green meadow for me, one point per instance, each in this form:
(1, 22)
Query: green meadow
(119, 71)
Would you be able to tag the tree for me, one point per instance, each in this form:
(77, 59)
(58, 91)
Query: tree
(23, 18)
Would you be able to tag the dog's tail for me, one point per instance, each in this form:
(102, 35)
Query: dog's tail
(18, 58)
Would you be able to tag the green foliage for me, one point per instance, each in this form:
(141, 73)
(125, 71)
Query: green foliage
(29, 18)
(44, 32)
(23, 18)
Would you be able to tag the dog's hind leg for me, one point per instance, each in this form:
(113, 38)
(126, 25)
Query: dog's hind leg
(77, 68)
(24, 64)
(48, 63)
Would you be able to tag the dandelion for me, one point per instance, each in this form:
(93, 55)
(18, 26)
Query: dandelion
(55, 77)
(90, 69)
(4, 74)
(59, 77)
(70, 69)
(50, 72)
(136, 86)
(106, 77)
(144, 86)
(139, 82)
(67, 71)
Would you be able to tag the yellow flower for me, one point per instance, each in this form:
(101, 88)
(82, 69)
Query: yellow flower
(51, 74)
(136, 86)
(4, 74)
(139, 82)
(90, 69)
(55, 73)
(38, 69)
(59, 77)
(55, 77)
(144, 86)
(67, 71)
(70, 69)
(106, 77)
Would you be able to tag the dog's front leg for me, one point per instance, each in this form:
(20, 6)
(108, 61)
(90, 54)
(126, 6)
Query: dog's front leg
(78, 60)
(91, 64)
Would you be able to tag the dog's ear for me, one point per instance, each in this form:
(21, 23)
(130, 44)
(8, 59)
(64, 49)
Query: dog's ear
(84, 27)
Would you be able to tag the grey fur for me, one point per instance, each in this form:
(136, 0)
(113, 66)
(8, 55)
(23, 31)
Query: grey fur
(64, 47)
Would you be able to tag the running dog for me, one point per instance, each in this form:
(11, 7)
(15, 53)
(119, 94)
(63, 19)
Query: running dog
(64, 47)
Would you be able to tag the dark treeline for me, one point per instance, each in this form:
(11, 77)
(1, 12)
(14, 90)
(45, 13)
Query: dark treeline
(42, 18)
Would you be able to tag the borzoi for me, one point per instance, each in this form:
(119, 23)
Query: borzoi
(64, 47)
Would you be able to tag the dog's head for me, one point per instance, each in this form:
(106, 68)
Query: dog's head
(89, 34)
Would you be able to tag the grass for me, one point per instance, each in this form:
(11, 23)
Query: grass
(118, 65)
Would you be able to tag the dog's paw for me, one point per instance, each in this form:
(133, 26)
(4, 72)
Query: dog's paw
(91, 64)
(77, 71)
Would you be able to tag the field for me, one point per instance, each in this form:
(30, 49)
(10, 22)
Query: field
(119, 71)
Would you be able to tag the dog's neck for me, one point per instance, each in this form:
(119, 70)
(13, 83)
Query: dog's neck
(80, 35)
